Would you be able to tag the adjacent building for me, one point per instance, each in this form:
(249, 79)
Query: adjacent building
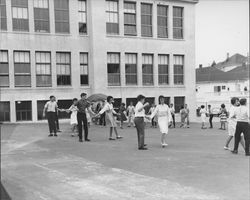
(117, 47)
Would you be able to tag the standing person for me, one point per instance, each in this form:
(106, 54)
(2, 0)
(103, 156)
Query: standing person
(73, 116)
(122, 116)
(153, 120)
(82, 104)
(232, 122)
(50, 110)
(223, 117)
(187, 114)
(57, 120)
(102, 120)
(139, 121)
(242, 118)
(210, 114)
(203, 114)
(131, 113)
(183, 114)
(109, 110)
(164, 117)
(172, 110)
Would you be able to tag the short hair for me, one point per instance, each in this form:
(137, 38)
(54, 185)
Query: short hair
(51, 96)
(243, 101)
(233, 100)
(83, 94)
(161, 97)
(75, 99)
(182, 107)
(171, 104)
(123, 104)
(222, 105)
(202, 106)
(209, 105)
(140, 97)
(108, 98)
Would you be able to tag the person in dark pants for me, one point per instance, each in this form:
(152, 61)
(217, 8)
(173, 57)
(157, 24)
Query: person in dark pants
(102, 120)
(139, 121)
(50, 110)
(57, 121)
(210, 113)
(172, 110)
(242, 117)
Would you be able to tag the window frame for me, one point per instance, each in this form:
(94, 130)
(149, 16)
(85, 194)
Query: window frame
(61, 75)
(131, 74)
(179, 75)
(128, 24)
(4, 112)
(86, 17)
(3, 18)
(146, 25)
(23, 111)
(161, 16)
(5, 74)
(41, 20)
(114, 74)
(182, 21)
(144, 75)
(84, 64)
(165, 74)
(112, 12)
(23, 19)
(177, 107)
(62, 21)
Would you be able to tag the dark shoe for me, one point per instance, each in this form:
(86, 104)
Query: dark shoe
(80, 140)
(234, 152)
(143, 148)
(50, 135)
(59, 131)
(145, 145)
(55, 135)
(87, 140)
(111, 138)
(247, 154)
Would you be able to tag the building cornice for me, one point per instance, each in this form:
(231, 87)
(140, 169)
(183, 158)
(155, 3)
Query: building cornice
(187, 1)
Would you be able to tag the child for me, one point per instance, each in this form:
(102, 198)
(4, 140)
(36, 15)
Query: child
(203, 114)
(73, 116)
(223, 117)
(131, 113)
(153, 120)
(183, 114)
(122, 117)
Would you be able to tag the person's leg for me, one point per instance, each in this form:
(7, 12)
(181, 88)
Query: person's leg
(242, 142)
(142, 133)
(188, 120)
(79, 121)
(110, 132)
(152, 122)
(246, 137)
(54, 123)
(50, 119)
(210, 121)
(85, 126)
(138, 131)
(162, 139)
(238, 132)
(228, 141)
(57, 122)
(173, 118)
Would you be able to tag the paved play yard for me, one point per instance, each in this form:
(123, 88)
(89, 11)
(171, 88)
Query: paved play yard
(193, 167)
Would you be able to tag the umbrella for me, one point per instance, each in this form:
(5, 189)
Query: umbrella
(97, 97)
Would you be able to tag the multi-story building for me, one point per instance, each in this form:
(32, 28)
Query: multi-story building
(117, 47)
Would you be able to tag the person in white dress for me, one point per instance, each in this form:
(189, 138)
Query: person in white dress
(73, 116)
(163, 113)
(131, 114)
(203, 113)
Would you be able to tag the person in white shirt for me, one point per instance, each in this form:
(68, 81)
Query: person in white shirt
(131, 113)
(172, 110)
(154, 119)
(242, 117)
(139, 121)
(164, 117)
(203, 113)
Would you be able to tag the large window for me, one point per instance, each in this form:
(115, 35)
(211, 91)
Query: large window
(84, 77)
(3, 17)
(82, 13)
(162, 21)
(146, 20)
(178, 22)
(61, 16)
(147, 69)
(40, 107)
(112, 17)
(4, 69)
(43, 69)
(20, 19)
(64, 104)
(178, 103)
(22, 68)
(63, 68)
(178, 69)
(113, 69)
(23, 111)
(41, 15)
(4, 111)
(163, 63)
(129, 18)
(131, 68)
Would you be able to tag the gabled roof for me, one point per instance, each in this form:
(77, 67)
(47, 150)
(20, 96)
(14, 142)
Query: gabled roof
(235, 60)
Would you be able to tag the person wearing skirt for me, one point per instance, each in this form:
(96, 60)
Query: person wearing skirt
(73, 116)
(163, 114)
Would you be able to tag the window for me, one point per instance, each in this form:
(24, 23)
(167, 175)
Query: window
(22, 68)
(61, 16)
(146, 20)
(131, 68)
(167, 100)
(112, 18)
(163, 63)
(178, 103)
(223, 87)
(63, 68)
(4, 69)
(43, 69)
(162, 21)
(41, 15)
(178, 69)
(4, 111)
(64, 104)
(217, 88)
(23, 111)
(177, 22)
(3, 17)
(129, 18)
(147, 69)
(84, 69)
(82, 10)
(20, 17)
(40, 107)
(113, 69)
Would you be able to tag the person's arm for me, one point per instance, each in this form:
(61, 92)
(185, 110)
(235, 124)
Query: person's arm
(156, 110)
(169, 115)
(91, 111)
(45, 109)
(143, 106)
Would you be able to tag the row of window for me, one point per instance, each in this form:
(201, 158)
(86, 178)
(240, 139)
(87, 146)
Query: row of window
(23, 109)
(20, 17)
(22, 69)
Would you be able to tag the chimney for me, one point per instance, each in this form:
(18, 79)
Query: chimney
(200, 66)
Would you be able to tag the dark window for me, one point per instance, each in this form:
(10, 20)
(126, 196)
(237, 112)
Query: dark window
(20, 17)
(178, 22)
(217, 88)
(40, 107)
(178, 103)
(223, 87)
(131, 68)
(146, 20)
(63, 68)
(129, 18)
(163, 63)
(4, 111)
(3, 17)
(128, 100)
(117, 104)
(22, 68)
(41, 15)
(84, 69)
(64, 104)
(147, 69)
(4, 69)
(82, 13)
(61, 16)
(178, 70)
(150, 100)
(162, 21)
(113, 69)
(167, 100)
(43, 69)
(112, 18)
(23, 111)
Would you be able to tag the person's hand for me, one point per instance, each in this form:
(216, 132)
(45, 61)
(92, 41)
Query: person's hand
(146, 104)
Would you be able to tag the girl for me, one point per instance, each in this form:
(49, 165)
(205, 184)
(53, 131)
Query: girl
(164, 117)
(131, 113)
(203, 114)
(223, 117)
(122, 117)
(183, 114)
(153, 120)
(108, 108)
(73, 116)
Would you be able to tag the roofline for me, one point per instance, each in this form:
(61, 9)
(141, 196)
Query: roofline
(226, 81)
(187, 1)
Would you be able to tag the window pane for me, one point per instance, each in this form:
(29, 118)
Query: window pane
(23, 111)
(178, 102)
(4, 111)
(62, 16)
(3, 16)
(63, 64)
(112, 24)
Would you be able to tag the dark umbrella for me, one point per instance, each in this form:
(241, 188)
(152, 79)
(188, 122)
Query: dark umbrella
(97, 97)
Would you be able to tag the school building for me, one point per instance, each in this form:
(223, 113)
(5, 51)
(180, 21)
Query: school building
(116, 47)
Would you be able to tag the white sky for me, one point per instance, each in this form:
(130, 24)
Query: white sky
(221, 26)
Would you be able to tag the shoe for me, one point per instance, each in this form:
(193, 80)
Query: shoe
(59, 131)
(111, 138)
(211, 127)
(50, 135)
(80, 140)
(129, 126)
(55, 135)
(119, 137)
(72, 135)
(143, 148)
(234, 152)
(247, 154)
(87, 140)
(226, 148)
(145, 145)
